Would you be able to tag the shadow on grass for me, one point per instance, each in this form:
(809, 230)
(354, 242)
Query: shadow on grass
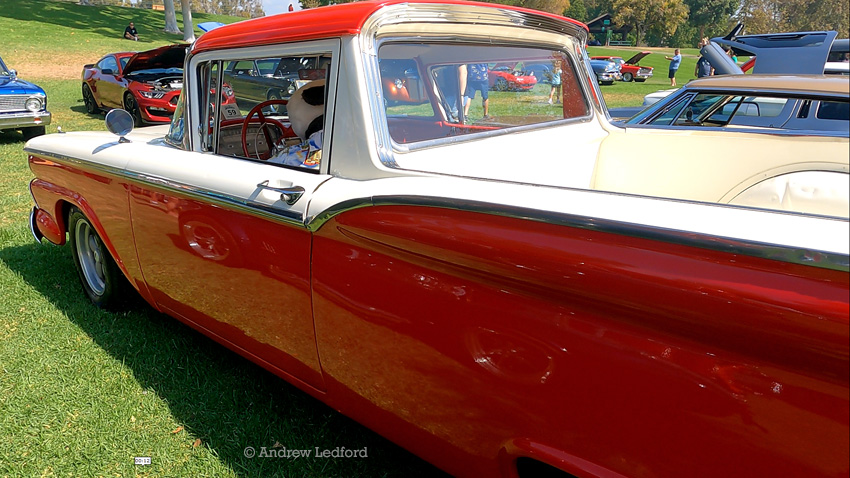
(225, 400)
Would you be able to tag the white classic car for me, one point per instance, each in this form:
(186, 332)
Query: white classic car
(491, 283)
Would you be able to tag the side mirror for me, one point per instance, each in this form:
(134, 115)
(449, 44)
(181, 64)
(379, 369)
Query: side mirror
(107, 71)
(13, 73)
(119, 122)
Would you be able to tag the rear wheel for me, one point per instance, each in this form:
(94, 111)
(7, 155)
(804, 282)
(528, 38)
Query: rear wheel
(132, 107)
(88, 99)
(501, 84)
(627, 77)
(100, 276)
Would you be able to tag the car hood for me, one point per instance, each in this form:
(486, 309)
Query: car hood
(169, 56)
(8, 86)
(635, 59)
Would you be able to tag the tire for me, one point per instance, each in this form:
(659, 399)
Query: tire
(30, 133)
(132, 107)
(627, 77)
(90, 102)
(102, 280)
(501, 84)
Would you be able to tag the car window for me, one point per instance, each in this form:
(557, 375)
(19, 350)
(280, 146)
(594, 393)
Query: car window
(670, 112)
(700, 108)
(437, 91)
(258, 105)
(834, 110)
(108, 63)
(124, 62)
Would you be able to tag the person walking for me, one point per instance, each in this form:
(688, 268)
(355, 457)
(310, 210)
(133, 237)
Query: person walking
(675, 61)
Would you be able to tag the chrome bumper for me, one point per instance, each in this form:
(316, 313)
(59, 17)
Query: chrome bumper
(25, 119)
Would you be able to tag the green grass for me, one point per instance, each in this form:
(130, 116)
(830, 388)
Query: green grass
(84, 391)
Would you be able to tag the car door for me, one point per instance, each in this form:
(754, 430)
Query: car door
(223, 244)
(110, 82)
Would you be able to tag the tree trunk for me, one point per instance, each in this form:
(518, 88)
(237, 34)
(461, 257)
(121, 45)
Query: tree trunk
(188, 26)
(170, 17)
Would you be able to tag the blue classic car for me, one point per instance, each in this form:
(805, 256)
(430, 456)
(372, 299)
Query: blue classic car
(23, 105)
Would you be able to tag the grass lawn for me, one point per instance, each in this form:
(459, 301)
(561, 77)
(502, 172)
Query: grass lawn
(83, 391)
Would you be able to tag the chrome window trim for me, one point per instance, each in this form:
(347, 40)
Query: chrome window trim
(372, 38)
(332, 46)
(793, 255)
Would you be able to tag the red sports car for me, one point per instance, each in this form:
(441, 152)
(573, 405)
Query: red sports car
(146, 84)
(504, 78)
(630, 68)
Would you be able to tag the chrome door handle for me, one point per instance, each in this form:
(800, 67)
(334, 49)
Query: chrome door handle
(289, 195)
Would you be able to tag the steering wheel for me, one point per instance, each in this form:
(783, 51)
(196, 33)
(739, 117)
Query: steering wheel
(257, 110)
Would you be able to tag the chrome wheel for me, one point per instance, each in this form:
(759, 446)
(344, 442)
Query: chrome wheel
(102, 280)
(89, 250)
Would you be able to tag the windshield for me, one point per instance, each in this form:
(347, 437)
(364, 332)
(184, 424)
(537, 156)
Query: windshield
(3, 70)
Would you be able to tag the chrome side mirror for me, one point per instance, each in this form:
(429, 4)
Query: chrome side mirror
(119, 122)
(13, 74)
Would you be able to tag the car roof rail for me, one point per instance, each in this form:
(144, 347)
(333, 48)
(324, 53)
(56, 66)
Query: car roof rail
(789, 53)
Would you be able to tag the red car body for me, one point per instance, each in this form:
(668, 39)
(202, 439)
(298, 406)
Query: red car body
(146, 84)
(503, 78)
(630, 68)
(489, 338)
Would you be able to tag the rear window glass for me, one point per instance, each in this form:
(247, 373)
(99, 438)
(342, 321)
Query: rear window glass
(434, 91)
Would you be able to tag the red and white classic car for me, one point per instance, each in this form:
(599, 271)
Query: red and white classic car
(469, 288)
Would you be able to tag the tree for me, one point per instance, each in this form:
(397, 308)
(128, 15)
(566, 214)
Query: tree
(577, 11)
(188, 26)
(707, 15)
(170, 17)
(661, 17)
(552, 6)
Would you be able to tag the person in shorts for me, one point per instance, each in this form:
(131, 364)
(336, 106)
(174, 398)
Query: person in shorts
(477, 79)
(675, 61)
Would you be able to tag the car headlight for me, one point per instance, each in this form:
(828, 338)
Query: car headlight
(34, 104)
(152, 94)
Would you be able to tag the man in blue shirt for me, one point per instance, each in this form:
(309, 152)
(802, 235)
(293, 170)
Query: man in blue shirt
(675, 60)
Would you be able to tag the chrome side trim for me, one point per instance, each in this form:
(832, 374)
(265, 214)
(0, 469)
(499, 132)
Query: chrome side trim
(802, 256)
(194, 192)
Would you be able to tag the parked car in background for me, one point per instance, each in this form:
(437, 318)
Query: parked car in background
(607, 71)
(534, 293)
(541, 71)
(756, 105)
(504, 78)
(263, 79)
(23, 105)
(146, 84)
(630, 68)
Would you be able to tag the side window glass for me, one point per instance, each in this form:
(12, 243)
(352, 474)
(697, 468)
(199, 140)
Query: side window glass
(701, 106)
(671, 112)
(435, 91)
(109, 63)
(264, 116)
(176, 132)
(834, 110)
